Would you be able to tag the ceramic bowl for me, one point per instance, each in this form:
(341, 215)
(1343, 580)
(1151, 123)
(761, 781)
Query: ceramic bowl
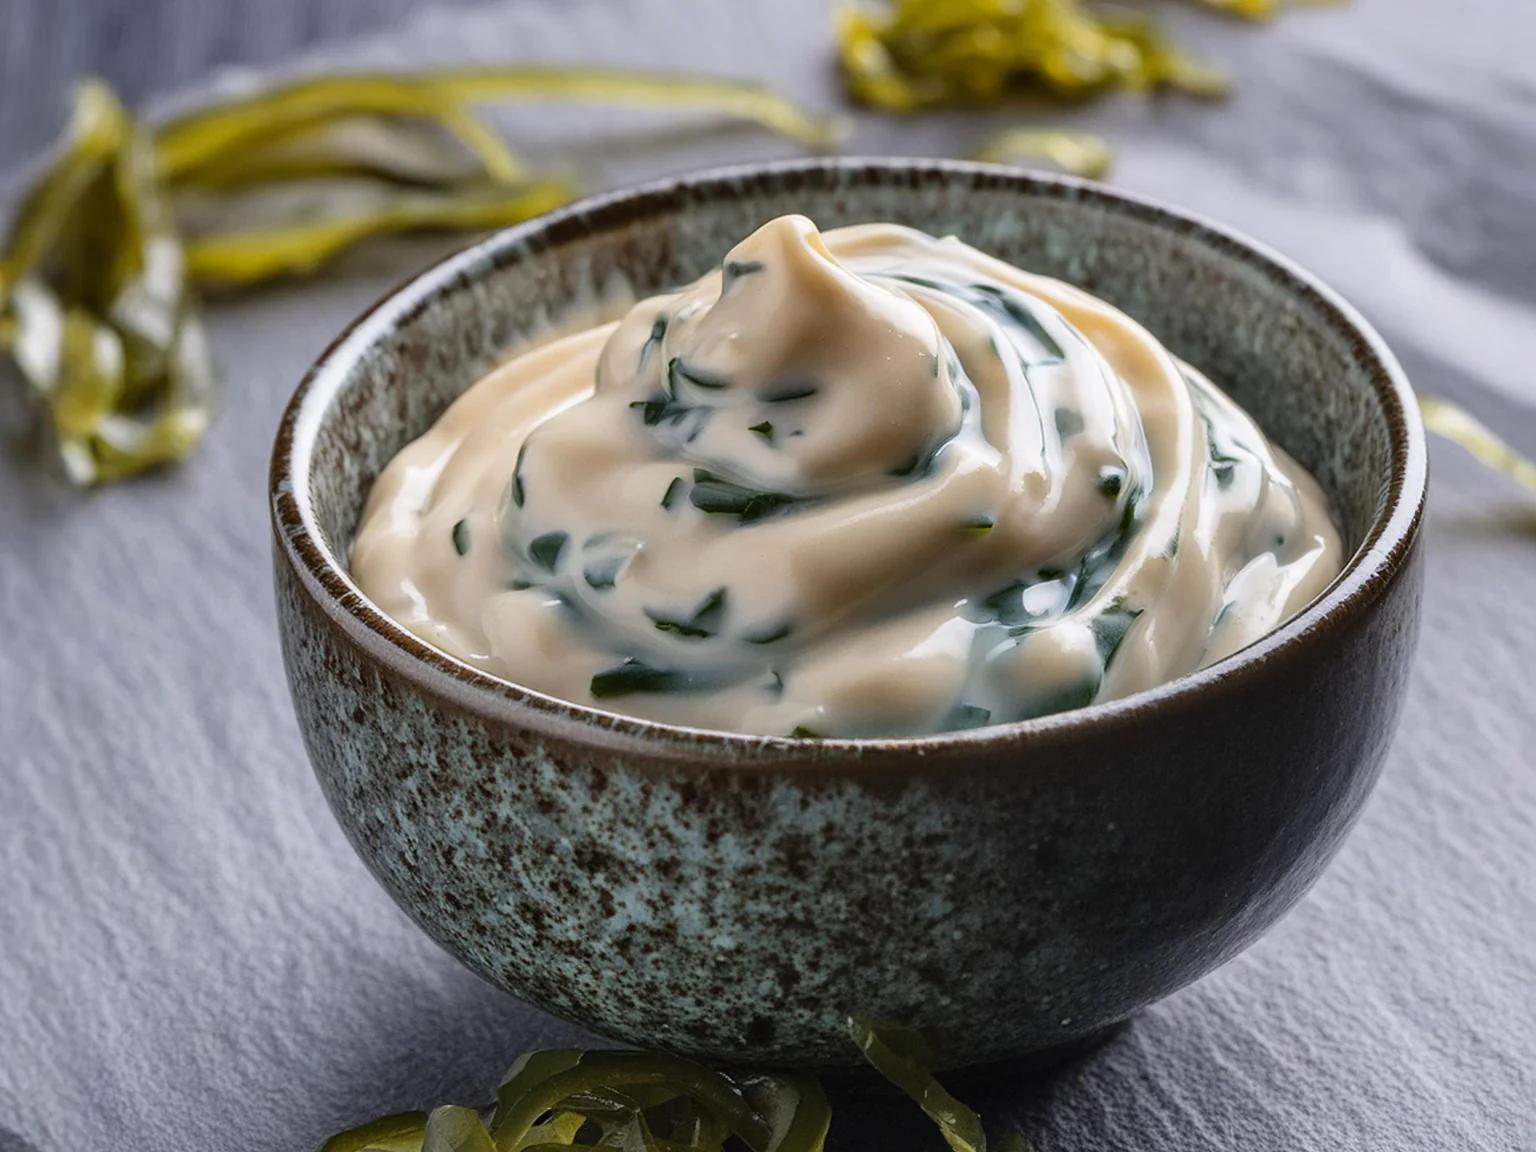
(1010, 890)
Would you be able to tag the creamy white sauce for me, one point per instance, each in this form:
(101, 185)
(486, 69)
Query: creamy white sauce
(858, 483)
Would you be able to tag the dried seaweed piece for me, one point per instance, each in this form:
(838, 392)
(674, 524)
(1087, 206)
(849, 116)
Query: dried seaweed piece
(907, 55)
(452, 1128)
(1075, 153)
(403, 1132)
(1459, 427)
(902, 1057)
(95, 309)
(300, 249)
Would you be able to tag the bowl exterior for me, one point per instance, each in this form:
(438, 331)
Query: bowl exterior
(1008, 891)
(1006, 897)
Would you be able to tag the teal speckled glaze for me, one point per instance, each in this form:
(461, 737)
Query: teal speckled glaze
(1010, 890)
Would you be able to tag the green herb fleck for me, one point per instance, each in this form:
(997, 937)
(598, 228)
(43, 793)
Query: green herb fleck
(1110, 626)
(665, 409)
(517, 477)
(733, 270)
(633, 677)
(978, 525)
(1111, 480)
(765, 430)
(461, 537)
(671, 493)
(1006, 605)
(998, 299)
(723, 497)
(964, 716)
(1223, 458)
(768, 635)
(658, 331)
(1076, 695)
(545, 550)
(785, 391)
(801, 732)
(678, 372)
(703, 624)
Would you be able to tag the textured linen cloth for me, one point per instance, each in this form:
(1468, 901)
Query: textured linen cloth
(192, 959)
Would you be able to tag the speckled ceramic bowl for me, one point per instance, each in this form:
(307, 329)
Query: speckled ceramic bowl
(1009, 890)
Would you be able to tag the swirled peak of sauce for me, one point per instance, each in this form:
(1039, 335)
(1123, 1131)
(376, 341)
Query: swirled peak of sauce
(857, 483)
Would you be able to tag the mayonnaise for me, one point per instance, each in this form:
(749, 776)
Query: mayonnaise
(859, 483)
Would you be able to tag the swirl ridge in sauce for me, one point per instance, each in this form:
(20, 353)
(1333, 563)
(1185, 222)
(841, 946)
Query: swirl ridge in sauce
(859, 483)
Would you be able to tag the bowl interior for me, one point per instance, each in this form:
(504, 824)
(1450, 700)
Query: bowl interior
(1283, 350)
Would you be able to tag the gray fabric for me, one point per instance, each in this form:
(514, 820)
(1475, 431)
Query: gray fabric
(191, 958)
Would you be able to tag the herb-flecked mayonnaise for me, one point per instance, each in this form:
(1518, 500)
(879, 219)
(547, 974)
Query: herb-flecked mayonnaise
(858, 483)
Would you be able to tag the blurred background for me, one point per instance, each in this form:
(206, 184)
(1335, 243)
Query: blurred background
(146, 47)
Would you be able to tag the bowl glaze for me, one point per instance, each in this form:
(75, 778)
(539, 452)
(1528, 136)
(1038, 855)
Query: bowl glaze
(1010, 890)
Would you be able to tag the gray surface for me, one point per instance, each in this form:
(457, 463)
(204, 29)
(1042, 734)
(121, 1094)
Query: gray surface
(145, 47)
(192, 958)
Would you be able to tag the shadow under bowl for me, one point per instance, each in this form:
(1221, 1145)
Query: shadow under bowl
(1009, 890)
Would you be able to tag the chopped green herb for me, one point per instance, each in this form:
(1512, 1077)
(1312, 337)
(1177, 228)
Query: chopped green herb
(1064, 699)
(768, 635)
(785, 391)
(545, 550)
(765, 430)
(1223, 457)
(902, 1057)
(665, 409)
(680, 373)
(1011, 305)
(703, 624)
(461, 537)
(1069, 422)
(964, 716)
(978, 525)
(801, 732)
(653, 341)
(633, 676)
(1110, 626)
(734, 270)
(1006, 605)
(1111, 480)
(723, 497)
(671, 493)
(517, 476)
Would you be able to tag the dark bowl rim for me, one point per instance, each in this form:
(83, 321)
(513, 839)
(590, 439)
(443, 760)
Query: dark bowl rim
(1375, 564)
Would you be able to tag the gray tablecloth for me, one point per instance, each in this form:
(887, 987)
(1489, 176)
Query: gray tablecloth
(192, 959)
